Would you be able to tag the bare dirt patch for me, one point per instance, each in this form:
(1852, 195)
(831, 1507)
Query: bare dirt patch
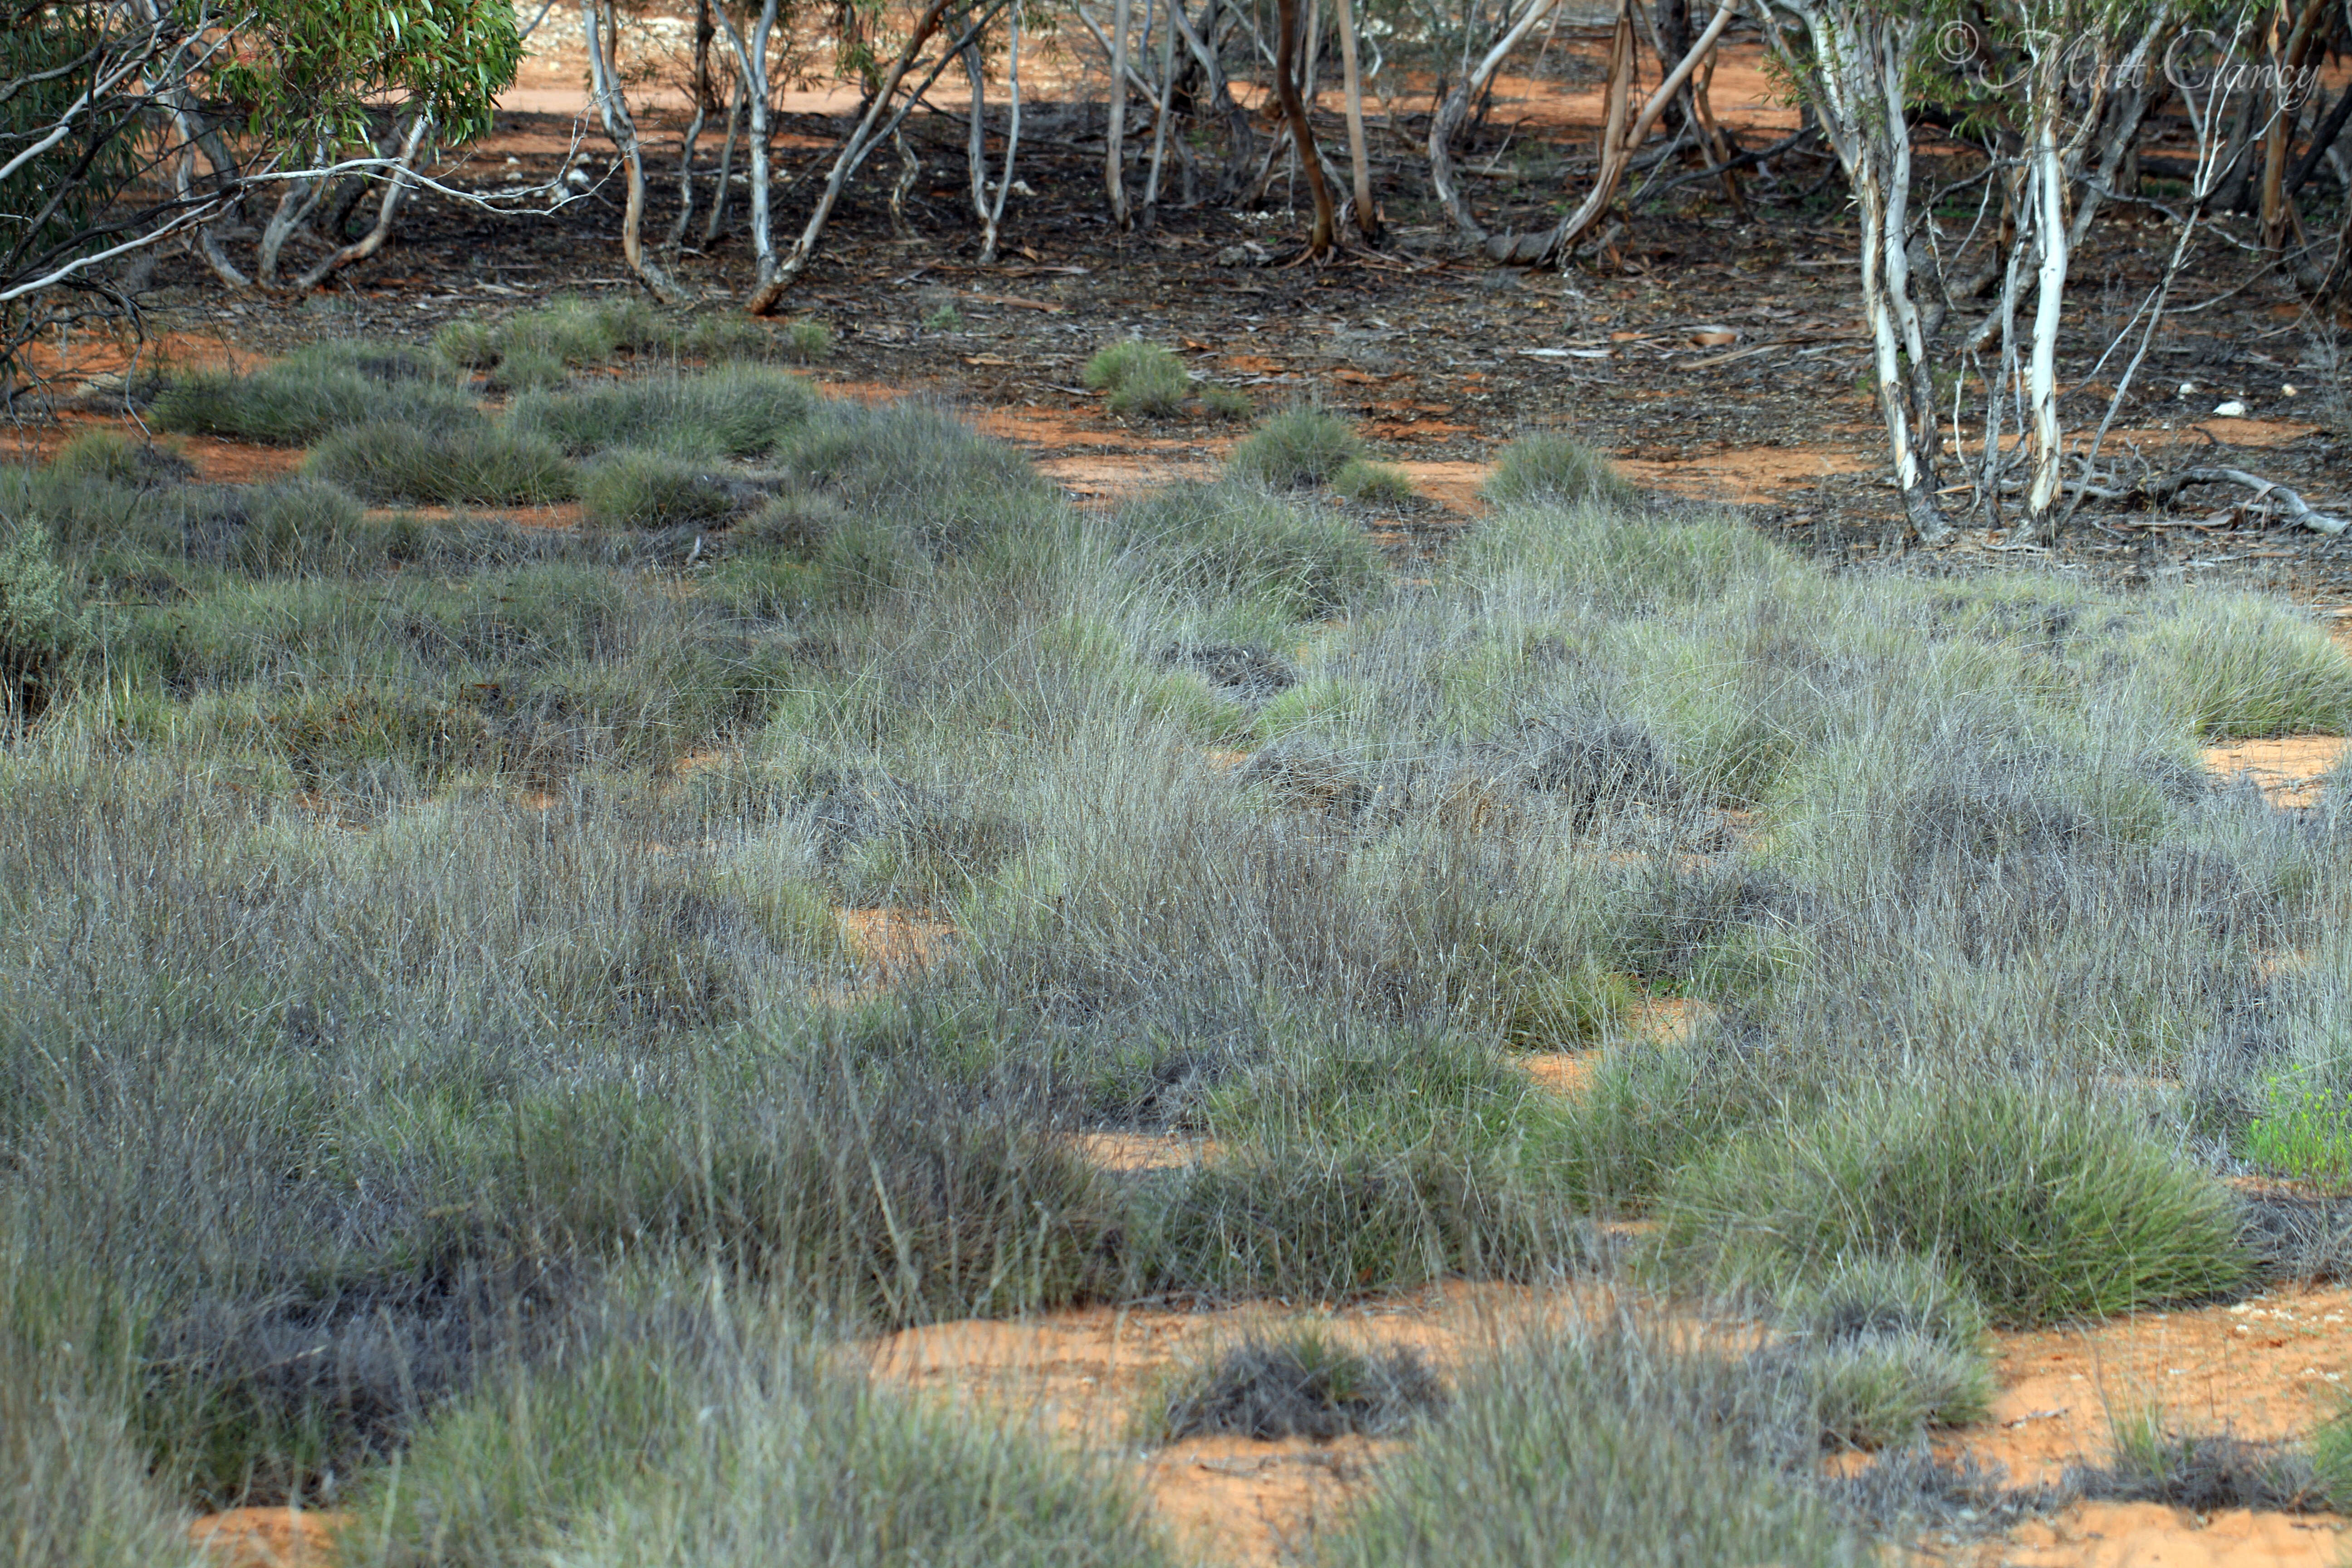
(268, 1537)
(2288, 772)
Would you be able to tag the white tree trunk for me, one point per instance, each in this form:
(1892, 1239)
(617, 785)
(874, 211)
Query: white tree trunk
(1115, 134)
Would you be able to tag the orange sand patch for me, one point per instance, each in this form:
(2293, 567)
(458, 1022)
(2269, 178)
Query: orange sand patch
(1127, 1153)
(2146, 1534)
(1108, 477)
(894, 942)
(2267, 1368)
(1453, 485)
(1563, 1073)
(1746, 476)
(267, 1537)
(2286, 771)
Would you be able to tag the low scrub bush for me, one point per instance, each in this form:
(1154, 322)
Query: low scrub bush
(1301, 445)
(2047, 1204)
(1139, 377)
(485, 466)
(648, 489)
(1298, 1382)
(1556, 470)
(1595, 1448)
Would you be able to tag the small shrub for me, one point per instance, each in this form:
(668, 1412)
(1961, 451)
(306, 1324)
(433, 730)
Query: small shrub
(1224, 401)
(1140, 377)
(1300, 1383)
(393, 462)
(1299, 446)
(1556, 470)
(944, 319)
(1372, 484)
(647, 490)
(2049, 1206)
(2305, 1132)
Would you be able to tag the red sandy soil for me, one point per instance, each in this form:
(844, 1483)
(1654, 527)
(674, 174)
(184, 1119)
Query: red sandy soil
(268, 1537)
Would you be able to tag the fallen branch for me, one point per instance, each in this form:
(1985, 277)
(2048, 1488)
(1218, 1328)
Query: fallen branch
(2297, 508)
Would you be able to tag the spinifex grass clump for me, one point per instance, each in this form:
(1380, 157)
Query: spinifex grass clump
(1302, 446)
(1593, 1446)
(1556, 470)
(690, 1427)
(1229, 541)
(484, 465)
(648, 489)
(1298, 1382)
(735, 412)
(2048, 1204)
(1140, 378)
(315, 393)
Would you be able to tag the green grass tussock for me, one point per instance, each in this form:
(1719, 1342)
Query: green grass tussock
(1556, 470)
(650, 489)
(484, 466)
(493, 1011)
(1593, 1446)
(1302, 445)
(703, 1430)
(2050, 1206)
(1139, 378)
(312, 394)
(736, 412)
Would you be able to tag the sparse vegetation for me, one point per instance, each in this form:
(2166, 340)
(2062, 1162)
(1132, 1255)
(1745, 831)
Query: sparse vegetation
(490, 1006)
